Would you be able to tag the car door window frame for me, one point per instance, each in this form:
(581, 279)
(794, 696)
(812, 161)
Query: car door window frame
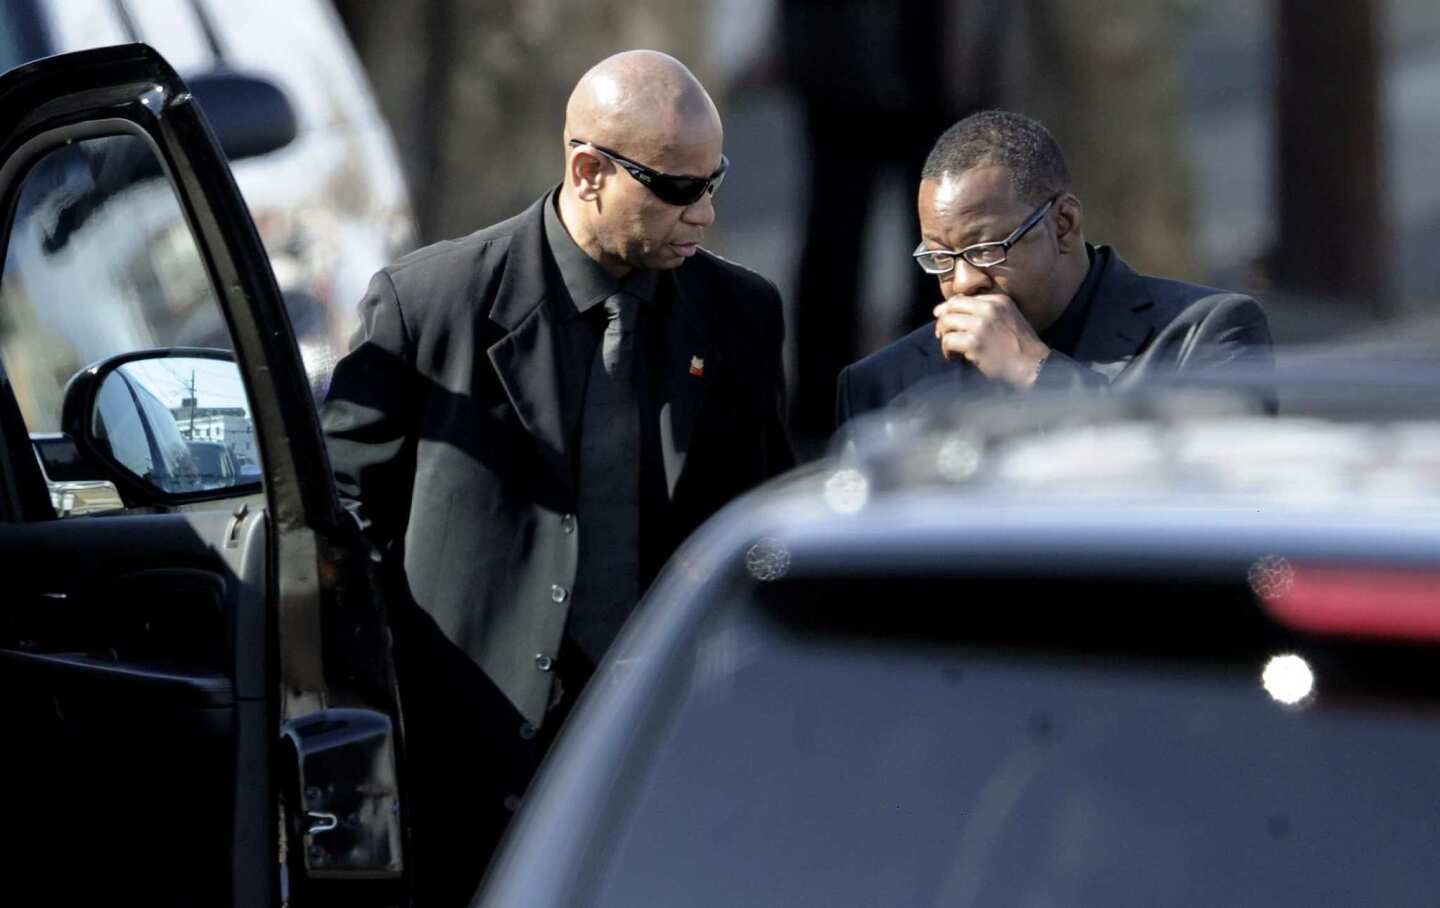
(23, 493)
(299, 491)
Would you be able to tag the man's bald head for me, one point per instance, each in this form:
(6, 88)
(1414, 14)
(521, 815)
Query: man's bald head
(644, 102)
(647, 107)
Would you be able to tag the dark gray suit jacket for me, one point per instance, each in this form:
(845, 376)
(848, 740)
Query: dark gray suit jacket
(1139, 328)
(448, 440)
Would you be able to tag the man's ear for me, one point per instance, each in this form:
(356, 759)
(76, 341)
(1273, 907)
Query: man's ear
(1069, 223)
(586, 174)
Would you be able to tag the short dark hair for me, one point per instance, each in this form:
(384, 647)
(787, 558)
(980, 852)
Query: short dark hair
(1021, 145)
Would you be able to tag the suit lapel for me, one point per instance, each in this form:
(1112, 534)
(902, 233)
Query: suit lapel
(525, 359)
(1121, 319)
(688, 364)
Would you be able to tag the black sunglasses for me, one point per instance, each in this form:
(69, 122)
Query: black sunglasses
(668, 188)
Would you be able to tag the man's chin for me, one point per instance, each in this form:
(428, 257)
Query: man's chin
(667, 259)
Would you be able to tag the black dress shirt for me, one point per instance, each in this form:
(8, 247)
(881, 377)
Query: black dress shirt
(579, 301)
(586, 285)
(1064, 335)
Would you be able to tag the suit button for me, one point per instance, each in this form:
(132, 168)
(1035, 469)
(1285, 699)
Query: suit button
(527, 731)
(558, 593)
(567, 523)
(544, 662)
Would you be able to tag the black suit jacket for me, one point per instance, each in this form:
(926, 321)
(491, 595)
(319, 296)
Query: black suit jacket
(1139, 328)
(447, 437)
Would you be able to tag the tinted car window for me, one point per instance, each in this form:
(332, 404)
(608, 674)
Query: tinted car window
(99, 261)
(963, 742)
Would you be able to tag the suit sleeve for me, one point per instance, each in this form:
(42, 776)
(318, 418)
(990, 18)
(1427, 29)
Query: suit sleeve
(1223, 338)
(1061, 373)
(368, 417)
(1233, 337)
(1223, 333)
(882, 380)
(1229, 332)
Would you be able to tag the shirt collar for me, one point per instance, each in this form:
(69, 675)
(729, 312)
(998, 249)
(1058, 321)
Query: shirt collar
(1064, 334)
(586, 282)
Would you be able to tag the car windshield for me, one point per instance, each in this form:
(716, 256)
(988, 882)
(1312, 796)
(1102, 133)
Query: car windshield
(966, 745)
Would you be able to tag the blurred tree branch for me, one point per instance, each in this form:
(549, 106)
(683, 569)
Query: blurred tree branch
(1333, 238)
(1105, 76)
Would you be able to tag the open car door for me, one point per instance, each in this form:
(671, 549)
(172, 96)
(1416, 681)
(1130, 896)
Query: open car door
(195, 681)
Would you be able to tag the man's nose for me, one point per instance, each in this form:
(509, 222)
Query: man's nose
(701, 213)
(967, 280)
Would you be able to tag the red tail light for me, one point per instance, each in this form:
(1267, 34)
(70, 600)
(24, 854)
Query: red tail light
(1350, 601)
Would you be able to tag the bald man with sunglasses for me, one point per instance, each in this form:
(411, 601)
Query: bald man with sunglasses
(533, 418)
(1026, 303)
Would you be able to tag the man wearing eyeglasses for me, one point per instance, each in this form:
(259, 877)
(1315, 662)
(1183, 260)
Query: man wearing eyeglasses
(1027, 303)
(535, 415)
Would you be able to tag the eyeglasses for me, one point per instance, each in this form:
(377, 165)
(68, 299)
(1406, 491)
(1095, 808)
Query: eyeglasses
(668, 188)
(980, 255)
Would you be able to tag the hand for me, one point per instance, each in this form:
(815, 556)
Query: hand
(989, 331)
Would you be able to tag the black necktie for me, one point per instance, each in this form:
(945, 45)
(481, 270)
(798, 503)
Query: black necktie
(607, 584)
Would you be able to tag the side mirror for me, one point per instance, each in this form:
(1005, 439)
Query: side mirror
(250, 116)
(165, 426)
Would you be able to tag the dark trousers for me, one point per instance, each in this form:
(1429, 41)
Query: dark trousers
(467, 763)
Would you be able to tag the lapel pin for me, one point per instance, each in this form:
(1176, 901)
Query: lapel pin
(697, 366)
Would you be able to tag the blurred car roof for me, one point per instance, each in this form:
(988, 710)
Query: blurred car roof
(1348, 435)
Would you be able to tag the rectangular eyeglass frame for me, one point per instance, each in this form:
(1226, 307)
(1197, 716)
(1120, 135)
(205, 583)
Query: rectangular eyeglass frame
(921, 254)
